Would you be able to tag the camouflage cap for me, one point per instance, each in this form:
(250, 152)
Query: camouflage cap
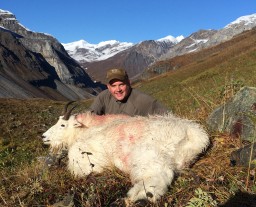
(116, 73)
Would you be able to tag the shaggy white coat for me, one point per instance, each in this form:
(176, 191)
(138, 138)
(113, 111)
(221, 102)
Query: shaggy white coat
(150, 149)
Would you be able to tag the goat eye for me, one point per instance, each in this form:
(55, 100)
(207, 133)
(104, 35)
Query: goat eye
(62, 125)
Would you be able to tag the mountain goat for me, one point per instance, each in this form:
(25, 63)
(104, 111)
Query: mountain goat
(150, 149)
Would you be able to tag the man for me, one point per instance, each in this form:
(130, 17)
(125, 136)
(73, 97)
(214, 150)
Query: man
(121, 98)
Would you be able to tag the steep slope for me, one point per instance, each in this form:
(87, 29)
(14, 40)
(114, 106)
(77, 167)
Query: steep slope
(73, 82)
(206, 78)
(213, 55)
(24, 74)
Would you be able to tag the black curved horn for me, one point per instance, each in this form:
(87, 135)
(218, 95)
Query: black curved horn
(66, 112)
(66, 107)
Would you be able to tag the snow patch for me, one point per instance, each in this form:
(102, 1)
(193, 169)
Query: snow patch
(246, 20)
(170, 38)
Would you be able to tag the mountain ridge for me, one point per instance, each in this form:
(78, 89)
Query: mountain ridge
(136, 60)
(82, 51)
(44, 68)
(246, 22)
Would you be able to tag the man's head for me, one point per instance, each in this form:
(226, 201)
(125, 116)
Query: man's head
(118, 83)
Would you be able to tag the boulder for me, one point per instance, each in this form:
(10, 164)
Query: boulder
(237, 116)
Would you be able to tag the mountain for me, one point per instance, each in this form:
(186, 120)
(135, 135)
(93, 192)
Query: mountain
(37, 65)
(208, 38)
(137, 58)
(189, 44)
(234, 28)
(206, 78)
(211, 57)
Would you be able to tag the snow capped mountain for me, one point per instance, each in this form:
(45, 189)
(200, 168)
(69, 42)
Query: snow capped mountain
(207, 38)
(83, 51)
(236, 27)
(245, 20)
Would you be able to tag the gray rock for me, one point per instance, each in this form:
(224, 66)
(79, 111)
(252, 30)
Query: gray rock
(238, 116)
(53, 159)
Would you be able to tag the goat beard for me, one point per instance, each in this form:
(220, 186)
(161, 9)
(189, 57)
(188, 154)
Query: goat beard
(58, 150)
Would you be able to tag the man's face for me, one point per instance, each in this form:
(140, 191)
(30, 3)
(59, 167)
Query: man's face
(119, 89)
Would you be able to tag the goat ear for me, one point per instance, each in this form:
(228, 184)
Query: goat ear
(79, 125)
(79, 120)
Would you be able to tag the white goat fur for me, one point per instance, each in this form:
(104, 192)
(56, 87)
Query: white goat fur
(150, 149)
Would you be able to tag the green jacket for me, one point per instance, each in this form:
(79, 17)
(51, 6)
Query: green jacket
(137, 103)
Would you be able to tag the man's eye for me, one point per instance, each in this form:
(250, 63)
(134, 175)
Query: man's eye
(62, 125)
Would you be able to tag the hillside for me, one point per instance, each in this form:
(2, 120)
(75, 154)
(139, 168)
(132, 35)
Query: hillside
(203, 81)
(206, 78)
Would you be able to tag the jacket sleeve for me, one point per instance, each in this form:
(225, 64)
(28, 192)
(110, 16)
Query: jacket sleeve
(97, 107)
(159, 108)
(147, 105)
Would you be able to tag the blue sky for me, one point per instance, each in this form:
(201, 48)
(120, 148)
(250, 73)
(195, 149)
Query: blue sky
(125, 20)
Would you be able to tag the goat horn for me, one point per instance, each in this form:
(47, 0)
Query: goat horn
(66, 107)
(66, 112)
